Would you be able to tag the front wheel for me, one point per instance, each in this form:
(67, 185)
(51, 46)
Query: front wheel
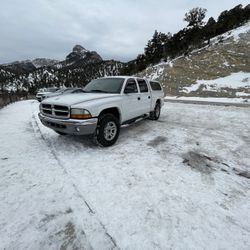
(108, 130)
(154, 115)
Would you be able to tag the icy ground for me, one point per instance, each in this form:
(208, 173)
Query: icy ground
(178, 183)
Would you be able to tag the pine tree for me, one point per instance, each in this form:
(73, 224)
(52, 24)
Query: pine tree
(195, 16)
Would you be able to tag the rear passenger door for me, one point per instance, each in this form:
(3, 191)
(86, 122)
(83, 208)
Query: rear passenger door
(145, 96)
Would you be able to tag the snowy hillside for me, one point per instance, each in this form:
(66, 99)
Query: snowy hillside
(220, 68)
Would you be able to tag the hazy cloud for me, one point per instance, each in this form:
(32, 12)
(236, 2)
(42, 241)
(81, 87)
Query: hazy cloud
(116, 29)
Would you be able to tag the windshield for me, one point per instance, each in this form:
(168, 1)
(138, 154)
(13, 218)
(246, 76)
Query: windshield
(105, 85)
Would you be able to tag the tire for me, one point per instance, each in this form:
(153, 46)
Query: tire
(60, 133)
(108, 130)
(154, 115)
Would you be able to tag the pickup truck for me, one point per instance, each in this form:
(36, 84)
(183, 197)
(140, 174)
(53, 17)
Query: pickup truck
(106, 104)
(43, 92)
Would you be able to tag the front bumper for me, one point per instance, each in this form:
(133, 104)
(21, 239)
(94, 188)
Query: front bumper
(70, 126)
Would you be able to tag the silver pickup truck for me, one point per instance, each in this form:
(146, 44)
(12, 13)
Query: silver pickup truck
(106, 104)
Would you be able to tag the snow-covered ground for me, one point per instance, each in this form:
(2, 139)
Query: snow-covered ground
(233, 81)
(178, 183)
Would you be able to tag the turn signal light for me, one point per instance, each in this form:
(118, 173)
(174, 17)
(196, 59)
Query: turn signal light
(80, 116)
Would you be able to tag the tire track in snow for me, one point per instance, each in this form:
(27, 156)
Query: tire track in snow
(51, 149)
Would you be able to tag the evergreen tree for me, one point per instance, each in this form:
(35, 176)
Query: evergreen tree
(195, 16)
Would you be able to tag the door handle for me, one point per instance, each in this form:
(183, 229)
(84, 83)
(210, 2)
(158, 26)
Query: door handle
(138, 98)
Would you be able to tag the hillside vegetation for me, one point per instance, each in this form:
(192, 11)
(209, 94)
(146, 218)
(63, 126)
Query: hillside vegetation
(225, 55)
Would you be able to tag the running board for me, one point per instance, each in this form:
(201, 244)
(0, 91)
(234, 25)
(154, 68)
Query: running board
(135, 119)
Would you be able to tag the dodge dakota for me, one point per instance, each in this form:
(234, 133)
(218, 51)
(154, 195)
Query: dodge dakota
(105, 105)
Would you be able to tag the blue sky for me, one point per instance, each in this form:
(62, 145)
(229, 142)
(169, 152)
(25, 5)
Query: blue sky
(116, 29)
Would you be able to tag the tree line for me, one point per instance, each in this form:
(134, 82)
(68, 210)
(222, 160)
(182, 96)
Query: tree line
(167, 46)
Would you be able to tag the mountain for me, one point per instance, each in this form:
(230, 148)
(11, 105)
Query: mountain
(221, 68)
(19, 67)
(43, 62)
(79, 57)
(79, 67)
(80, 52)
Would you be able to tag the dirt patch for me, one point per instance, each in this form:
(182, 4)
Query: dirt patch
(244, 174)
(69, 236)
(157, 141)
(240, 173)
(199, 162)
(50, 217)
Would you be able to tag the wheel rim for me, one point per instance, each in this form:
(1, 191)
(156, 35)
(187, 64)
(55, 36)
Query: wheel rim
(157, 111)
(110, 131)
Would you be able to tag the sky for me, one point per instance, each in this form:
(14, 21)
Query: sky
(116, 29)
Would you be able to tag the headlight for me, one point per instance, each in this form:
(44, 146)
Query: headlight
(80, 114)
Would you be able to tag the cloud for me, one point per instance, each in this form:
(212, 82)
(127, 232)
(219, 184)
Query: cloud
(116, 29)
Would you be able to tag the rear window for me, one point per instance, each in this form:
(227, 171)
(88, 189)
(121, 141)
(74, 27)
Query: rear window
(142, 85)
(155, 86)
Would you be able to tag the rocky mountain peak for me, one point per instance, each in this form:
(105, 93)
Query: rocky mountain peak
(79, 52)
(79, 49)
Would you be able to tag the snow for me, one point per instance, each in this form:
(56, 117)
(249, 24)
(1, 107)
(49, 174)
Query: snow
(235, 33)
(176, 183)
(234, 81)
(226, 63)
(242, 94)
(209, 99)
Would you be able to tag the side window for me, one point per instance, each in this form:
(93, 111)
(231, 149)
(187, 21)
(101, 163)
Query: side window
(131, 87)
(155, 86)
(142, 85)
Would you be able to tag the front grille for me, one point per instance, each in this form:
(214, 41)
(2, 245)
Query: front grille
(55, 110)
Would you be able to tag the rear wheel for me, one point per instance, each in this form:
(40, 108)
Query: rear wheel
(154, 115)
(108, 130)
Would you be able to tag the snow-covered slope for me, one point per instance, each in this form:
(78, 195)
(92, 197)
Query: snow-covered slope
(235, 81)
(43, 62)
(226, 59)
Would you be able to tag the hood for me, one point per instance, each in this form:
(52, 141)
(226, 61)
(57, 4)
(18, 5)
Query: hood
(72, 99)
